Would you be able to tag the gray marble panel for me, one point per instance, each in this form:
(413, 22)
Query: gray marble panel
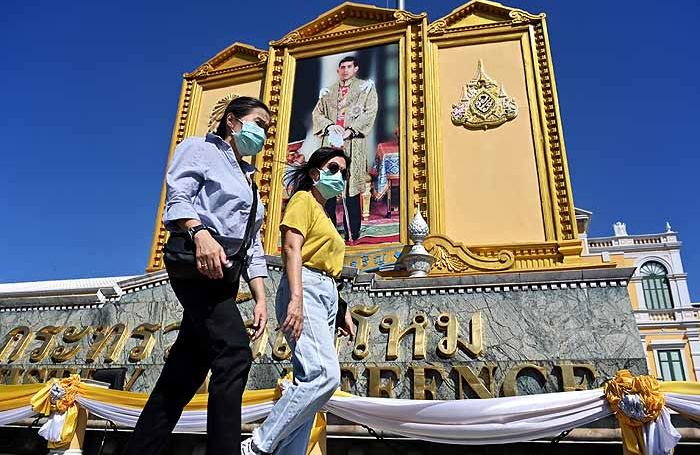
(547, 327)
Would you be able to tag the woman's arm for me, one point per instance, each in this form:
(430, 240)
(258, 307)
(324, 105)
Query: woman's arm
(257, 288)
(292, 241)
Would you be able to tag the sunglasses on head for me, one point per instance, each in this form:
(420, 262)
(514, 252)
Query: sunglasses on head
(333, 168)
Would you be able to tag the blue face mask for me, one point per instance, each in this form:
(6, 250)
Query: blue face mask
(330, 185)
(250, 139)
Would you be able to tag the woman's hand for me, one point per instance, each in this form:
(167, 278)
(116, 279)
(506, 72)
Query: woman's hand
(348, 329)
(210, 255)
(259, 318)
(294, 323)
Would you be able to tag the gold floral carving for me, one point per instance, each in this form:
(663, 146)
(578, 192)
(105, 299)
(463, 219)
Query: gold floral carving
(217, 113)
(457, 258)
(519, 16)
(494, 11)
(201, 71)
(484, 103)
(438, 27)
(405, 16)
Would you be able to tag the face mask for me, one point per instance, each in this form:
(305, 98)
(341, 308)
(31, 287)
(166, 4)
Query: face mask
(330, 185)
(250, 139)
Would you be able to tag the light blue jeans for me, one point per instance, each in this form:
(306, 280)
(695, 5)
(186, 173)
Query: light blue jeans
(316, 371)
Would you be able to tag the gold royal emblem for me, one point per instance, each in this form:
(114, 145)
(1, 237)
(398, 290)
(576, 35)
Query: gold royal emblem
(484, 103)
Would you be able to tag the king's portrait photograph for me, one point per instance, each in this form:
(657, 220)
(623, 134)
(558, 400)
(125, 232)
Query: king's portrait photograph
(350, 101)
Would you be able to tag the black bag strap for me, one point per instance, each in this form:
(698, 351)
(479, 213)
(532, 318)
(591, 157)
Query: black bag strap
(248, 236)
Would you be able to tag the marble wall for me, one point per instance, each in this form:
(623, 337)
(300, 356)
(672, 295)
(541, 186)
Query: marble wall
(534, 338)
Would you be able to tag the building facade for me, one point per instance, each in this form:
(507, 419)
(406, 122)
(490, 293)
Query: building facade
(668, 321)
(468, 138)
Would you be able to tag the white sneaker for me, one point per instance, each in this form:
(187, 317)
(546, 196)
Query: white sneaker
(249, 448)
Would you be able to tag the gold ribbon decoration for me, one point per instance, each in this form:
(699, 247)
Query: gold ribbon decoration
(635, 400)
(58, 396)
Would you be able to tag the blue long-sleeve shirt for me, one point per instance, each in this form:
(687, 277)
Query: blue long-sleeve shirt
(205, 182)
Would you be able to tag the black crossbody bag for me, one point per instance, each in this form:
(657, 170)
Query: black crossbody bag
(180, 255)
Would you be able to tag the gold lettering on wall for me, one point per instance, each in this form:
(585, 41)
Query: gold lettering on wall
(137, 374)
(280, 348)
(361, 315)
(423, 384)
(101, 337)
(15, 343)
(348, 374)
(447, 346)
(258, 346)
(375, 386)
(483, 388)
(47, 335)
(71, 335)
(145, 333)
(391, 324)
(568, 377)
(11, 375)
(35, 376)
(169, 328)
(510, 383)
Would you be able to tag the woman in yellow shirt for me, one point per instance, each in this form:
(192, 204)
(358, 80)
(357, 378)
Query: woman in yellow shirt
(307, 301)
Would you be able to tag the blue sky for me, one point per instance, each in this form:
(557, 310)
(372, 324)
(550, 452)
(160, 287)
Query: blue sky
(91, 90)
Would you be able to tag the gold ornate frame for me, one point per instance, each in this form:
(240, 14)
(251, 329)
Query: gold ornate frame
(235, 65)
(482, 21)
(349, 26)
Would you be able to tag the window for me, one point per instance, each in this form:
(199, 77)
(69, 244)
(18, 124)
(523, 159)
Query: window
(671, 365)
(655, 285)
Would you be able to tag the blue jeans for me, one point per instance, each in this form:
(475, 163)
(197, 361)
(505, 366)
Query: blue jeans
(315, 361)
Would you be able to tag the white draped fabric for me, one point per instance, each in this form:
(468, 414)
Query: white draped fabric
(490, 421)
(51, 430)
(660, 436)
(190, 421)
(497, 420)
(684, 404)
(15, 415)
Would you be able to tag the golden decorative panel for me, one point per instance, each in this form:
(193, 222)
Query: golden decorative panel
(231, 71)
(484, 103)
(477, 25)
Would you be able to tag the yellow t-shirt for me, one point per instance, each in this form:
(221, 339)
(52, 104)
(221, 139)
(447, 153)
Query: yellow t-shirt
(323, 247)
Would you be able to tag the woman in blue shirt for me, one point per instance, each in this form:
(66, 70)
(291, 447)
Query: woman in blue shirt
(209, 189)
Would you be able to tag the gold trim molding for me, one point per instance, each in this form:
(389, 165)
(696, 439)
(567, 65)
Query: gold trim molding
(487, 14)
(354, 15)
(453, 257)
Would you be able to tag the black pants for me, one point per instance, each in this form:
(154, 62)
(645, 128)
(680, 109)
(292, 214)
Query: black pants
(352, 203)
(212, 336)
